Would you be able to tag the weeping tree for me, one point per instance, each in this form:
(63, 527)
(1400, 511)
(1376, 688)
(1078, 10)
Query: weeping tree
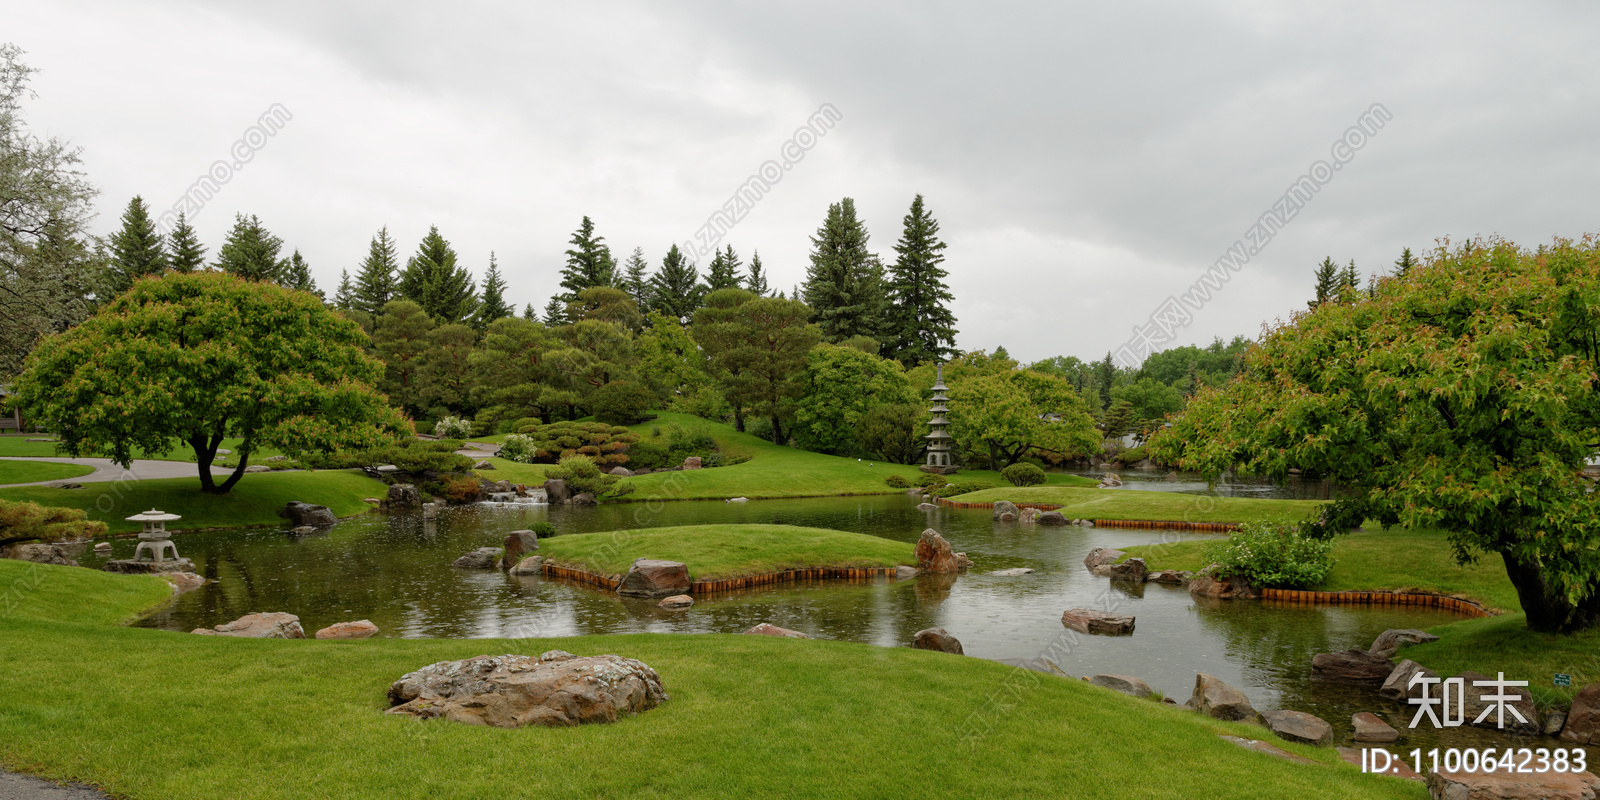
(1463, 395)
(194, 359)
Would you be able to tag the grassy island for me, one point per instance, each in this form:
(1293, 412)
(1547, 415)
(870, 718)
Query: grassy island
(718, 552)
(1089, 503)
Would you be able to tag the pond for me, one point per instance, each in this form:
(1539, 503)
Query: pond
(395, 571)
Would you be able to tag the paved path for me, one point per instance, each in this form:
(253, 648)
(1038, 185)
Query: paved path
(22, 787)
(104, 471)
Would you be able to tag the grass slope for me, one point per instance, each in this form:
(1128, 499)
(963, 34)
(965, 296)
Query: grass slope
(1086, 503)
(12, 445)
(33, 471)
(749, 716)
(715, 552)
(505, 470)
(255, 500)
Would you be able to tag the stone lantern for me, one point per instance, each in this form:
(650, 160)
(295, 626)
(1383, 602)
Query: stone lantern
(155, 542)
(939, 456)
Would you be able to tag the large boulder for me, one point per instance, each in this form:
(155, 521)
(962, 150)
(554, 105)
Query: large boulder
(1051, 518)
(307, 514)
(481, 558)
(934, 553)
(554, 690)
(1513, 785)
(556, 492)
(769, 629)
(1503, 719)
(1131, 570)
(1174, 577)
(582, 499)
(937, 639)
(1216, 699)
(1388, 643)
(1583, 719)
(1298, 726)
(621, 471)
(517, 546)
(649, 577)
(39, 554)
(1102, 556)
(1005, 511)
(360, 629)
(1350, 666)
(1370, 728)
(483, 464)
(692, 462)
(1084, 620)
(1130, 686)
(532, 565)
(274, 625)
(1398, 685)
(402, 496)
(1207, 584)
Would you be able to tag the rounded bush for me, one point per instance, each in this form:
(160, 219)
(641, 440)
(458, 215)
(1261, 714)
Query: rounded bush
(897, 482)
(1273, 554)
(451, 427)
(621, 402)
(931, 479)
(543, 530)
(1023, 474)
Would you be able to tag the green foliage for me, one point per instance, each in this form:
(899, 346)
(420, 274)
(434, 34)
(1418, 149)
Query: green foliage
(513, 373)
(757, 348)
(1273, 554)
(1327, 280)
(757, 280)
(603, 444)
(494, 304)
(1023, 474)
(199, 357)
(415, 456)
(582, 475)
(378, 280)
(840, 387)
(672, 365)
(1118, 419)
(250, 251)
(520, 448)
(621, 402)
(931, 479)
(897, 482)
(297, 275)
(447, 375)
(1006, 415)
(707, 403)
(723, 271)
(892, 432)
(713, 460)
(589, 262)
(1132, 455)
(433, 280)
(460, 489)
(960, 487)
(453, 428)
(400, 340)
(844, 283)
(675, 289)
(669, 445)
(634, 279)
(184, 251)
(136, 249)
(542, 529)
(605, 304)
(918, 324)
(26, 522)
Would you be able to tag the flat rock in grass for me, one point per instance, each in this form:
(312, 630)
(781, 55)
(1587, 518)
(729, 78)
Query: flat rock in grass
(511, 691)
(39, 554)
(257, 468)
(769, 629)
(273, 625)
(934, 553)
(937, 639)
(1299, 727)
(1398, 685)
(1131, 570)
(1127, 685)
(481, 558)
(650, 577)
(1512, 785)
(1085, 620)
(1014, 572)
(1258, 746)
(1102, 556)
(1397, 768)
(1370, 728)
(1388, 643)
(1583, 719)
(1350, 666)
(1218, 700)
(677, 601)
(484, 464)
(532, 565)
(360, 629)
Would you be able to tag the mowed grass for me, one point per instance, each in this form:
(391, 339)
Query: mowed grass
(11, 445)
(716, 552)
(255, 500)
(1085, 503)
(32, 471)
(1504, 644)
(505, 470)
(749, 716)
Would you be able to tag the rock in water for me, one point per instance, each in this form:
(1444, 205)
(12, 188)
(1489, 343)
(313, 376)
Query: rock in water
(582, 499)
(927, 507)
(677, 601)
(307, 514)
(1004, 511)
(1132, 687)
(1351, 666)
(1216, 699)
(183, 581)
(1228, 588)
(937, 639)
(1131, 570)
(1388, 643)
(402, 496)
(509, 691)
(934, 553)
(1051, 518)
(902, 572)
(532, 565)
(1014, 572)
(1398, 685)
(1513, 786)
(1583, 719)
(481, 558)
(274, 625)
(649, 577)
(1101, 556)
(1084, 620)
(1370, 728)
(360, 629)
(518, 545)
(556, 492)
(769, 629)
(1298, 726)
(1174, 577)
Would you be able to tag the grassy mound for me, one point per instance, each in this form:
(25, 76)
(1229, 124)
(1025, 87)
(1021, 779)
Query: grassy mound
(1085, 503)
(717, 552)
(750, 716)
(255, 500)
(34, 471)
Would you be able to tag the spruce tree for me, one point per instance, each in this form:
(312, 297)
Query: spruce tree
(297, 275)
(377, 280)
(1349, 283)
(555, 312)
(675, 289)
(433, 280)
(494, 301)
(844, 283)
(636, 279)
(918, 325)
(1327, 288)
(757, 281)
(527, 312)
(1403, 265)
(345, 298)
(251, 252)
(183, 247)
(589, 262)
(1105, 374)
(136, 249)
(724, 271)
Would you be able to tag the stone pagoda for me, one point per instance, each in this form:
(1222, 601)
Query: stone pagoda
(939, 458)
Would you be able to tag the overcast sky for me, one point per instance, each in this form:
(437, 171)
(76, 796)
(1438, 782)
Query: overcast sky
(1085, 161)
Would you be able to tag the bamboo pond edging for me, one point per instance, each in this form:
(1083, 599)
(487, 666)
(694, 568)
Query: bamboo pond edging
(1455, 604)
(581, 575)
(731, 584)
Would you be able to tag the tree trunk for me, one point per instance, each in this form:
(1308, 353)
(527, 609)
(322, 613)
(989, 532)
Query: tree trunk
(1547, 608)
(777, 431)
(738, 418)
(205, 452)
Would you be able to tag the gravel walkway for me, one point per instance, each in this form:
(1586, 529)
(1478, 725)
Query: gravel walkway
(105, 470)
(23, 787)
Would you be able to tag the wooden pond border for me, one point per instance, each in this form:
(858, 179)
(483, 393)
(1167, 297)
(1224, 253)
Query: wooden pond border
(1455, 604)
(730, 584)
(1144, 524)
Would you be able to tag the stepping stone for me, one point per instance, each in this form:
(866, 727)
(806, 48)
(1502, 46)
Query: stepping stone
(1513, 785)
(1084, 620)
(1350, 666)
(677, 601)
(1299, 727)
(1370, 728)
(1267, 749)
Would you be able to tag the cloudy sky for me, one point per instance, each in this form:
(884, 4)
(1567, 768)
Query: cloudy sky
(1086, 161)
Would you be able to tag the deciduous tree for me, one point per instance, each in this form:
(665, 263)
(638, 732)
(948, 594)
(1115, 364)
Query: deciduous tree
(1007, 415)
(839, 387)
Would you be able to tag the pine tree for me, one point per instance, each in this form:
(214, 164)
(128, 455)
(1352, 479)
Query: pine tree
(555, 312)
(250, 252)
(377, 281)
(635, 278)
(589, 263)
(433, 280)
(724, 270)
(494, 303)
(1105, 373)
(757, 282)
(297, 275)
(1403, 265)
(344, 299)
(136, 249)
(1349, 283)
(917, 320)
(527, 311)
(184, 248)
(675, 289)
(1327, 287)
(844, 283)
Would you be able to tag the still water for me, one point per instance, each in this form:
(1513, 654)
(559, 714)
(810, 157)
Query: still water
(395, 571)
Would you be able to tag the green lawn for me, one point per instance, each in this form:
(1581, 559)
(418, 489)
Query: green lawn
(749, 716)
(505, 470)
(1083, 503)
(19, 446)
(716, 552)
(1504, 644)
(33, 471)
(255, 500)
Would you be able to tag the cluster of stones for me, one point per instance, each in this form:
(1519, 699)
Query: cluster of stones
(1007, 511)
(279, 625)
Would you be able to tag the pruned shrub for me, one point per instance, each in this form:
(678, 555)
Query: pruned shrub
(606, 445)
(410, 455)
(459, 489)
(897, 482)
(713, 460)
(1023, 474)
(543, 530)
(518, 447)
(621, 402)
(582, 474)
(1274, 554)
(963, 487)
(931, 479)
